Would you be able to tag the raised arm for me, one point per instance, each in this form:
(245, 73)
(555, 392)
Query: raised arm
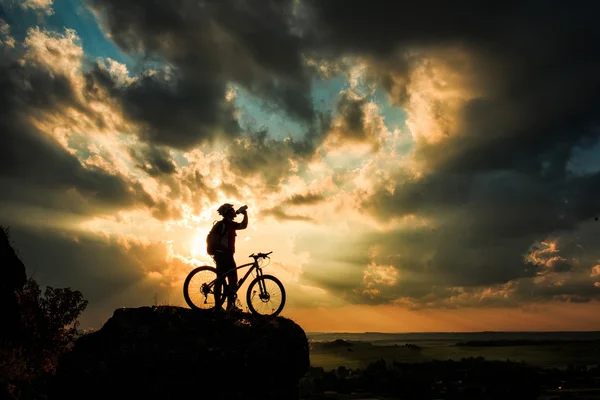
(244, 223)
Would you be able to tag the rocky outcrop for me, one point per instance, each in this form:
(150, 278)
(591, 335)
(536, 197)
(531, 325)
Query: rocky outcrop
(171, 352)
(13, 279)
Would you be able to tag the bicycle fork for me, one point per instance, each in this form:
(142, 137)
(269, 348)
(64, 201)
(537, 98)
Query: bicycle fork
(263, 289)
(262, 286)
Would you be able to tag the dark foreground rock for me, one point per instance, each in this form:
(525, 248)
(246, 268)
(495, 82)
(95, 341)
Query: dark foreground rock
(13, 279)
(171, 352)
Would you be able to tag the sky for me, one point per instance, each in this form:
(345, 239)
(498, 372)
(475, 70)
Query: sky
(413, 166)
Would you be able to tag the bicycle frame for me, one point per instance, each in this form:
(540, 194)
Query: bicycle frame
(254, 266)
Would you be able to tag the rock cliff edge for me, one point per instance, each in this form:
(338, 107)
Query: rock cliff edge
(166, 352)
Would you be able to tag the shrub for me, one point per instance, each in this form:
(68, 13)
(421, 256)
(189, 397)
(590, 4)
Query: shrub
(49, 324)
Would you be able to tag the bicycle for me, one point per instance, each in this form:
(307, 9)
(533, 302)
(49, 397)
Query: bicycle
(209, 300)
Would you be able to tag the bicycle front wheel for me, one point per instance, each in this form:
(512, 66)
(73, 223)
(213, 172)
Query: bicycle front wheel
(265, 296)
(199, 289)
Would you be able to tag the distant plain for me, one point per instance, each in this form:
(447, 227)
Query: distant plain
(552, 349)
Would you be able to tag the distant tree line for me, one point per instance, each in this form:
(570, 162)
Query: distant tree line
(468, 378)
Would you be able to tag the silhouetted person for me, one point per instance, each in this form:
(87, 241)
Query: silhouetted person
(225, 247)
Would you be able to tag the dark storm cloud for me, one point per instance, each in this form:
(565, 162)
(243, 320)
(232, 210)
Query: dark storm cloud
(380, 27)
(154, 160)
(281, 215)
(304, 199)
(534, 65)
(206, 44)
(489, 207)
(271, 159)
(170, 108)
(280, 212)
(415, 195)
(164, 211)
(448, 268)
(351, 124)
(492, 205)
(351, 112)
(34, 168)
(231, 190)
(482, 229)
(525, 67)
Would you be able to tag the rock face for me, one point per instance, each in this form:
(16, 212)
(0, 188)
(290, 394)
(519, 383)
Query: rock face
(171, 352)
(13, 277)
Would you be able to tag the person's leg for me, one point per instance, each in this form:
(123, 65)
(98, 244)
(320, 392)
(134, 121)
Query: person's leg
(232, 279)
(222, 267)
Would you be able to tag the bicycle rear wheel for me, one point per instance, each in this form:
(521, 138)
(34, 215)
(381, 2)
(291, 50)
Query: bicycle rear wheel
(199, 289)
(265, 296)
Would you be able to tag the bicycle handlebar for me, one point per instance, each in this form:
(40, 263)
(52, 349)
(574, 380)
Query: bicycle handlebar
(260, 255)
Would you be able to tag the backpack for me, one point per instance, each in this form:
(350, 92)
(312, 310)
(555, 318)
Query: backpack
(213, 239)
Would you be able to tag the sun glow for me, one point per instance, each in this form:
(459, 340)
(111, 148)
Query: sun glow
(198, 245)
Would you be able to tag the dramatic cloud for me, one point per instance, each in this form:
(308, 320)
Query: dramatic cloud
(37, 5)
(305, 199)
(154, 160)
(279, 214)
(499, 115)
(472, 183)
(274, 159)
(455, 234)
(39, 94)
(498, 102)
(354, 123)
(206, 45)
(6, 41)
